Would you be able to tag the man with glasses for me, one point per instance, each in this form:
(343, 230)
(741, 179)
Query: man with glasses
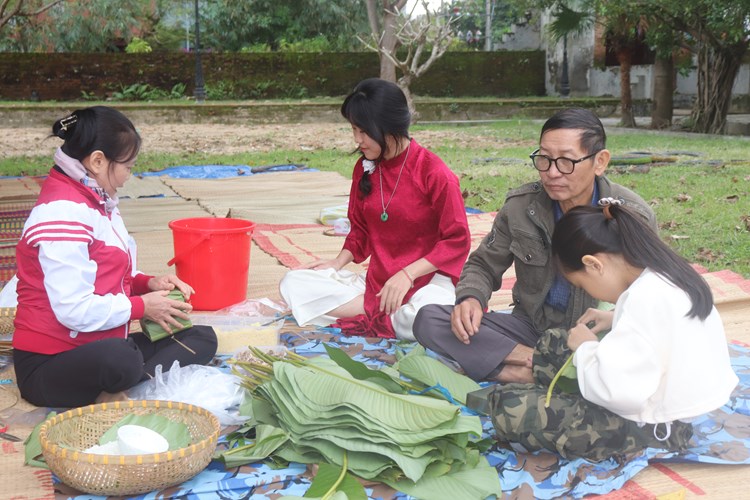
(571, 160)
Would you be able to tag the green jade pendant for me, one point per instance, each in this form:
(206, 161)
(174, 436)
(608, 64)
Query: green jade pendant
(384, 216)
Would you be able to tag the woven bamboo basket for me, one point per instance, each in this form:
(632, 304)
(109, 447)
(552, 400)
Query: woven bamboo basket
(7, 315)
(64, 435)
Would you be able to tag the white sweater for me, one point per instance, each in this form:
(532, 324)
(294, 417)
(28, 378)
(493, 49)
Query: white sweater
(657, 365)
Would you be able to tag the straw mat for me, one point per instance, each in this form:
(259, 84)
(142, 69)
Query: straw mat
(296, 244)
(13, 213)
(288, 197)
(154, 214)
(286, 207)
(19, 481)
(20, 187)
(142, 187)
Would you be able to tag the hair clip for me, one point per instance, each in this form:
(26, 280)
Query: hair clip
(609, 201)
(68, 121)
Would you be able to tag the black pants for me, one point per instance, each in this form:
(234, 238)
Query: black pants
(76, 377)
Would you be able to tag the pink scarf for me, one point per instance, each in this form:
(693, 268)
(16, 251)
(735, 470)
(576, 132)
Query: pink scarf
(75, 170)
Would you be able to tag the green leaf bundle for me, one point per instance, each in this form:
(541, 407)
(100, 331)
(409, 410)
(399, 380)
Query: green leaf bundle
(366, 424)
(155, 332)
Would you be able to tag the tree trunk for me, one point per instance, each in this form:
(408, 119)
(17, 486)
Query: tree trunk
(387, 41)
(625, 58)
(404, 83)
(663, 92)
(716, 73)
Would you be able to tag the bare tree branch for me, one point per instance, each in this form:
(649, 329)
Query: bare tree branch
(18, 11)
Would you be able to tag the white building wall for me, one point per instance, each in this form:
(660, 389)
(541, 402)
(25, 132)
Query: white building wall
(587, 80)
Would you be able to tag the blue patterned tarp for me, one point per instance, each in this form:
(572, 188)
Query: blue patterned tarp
(722, 437)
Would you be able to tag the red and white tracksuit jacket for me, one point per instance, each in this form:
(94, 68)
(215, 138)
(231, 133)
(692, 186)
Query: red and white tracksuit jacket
(76, 278)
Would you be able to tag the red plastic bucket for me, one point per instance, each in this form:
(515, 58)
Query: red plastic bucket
(213, 256)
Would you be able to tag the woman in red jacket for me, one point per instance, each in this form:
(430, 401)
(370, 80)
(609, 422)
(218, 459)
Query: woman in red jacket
(407, 216)
(77, 286)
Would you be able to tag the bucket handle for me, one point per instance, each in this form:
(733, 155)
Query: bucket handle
(184, 253)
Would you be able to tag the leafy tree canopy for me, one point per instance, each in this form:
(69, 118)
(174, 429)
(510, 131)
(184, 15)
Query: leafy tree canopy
(80, 26)
(232, 26)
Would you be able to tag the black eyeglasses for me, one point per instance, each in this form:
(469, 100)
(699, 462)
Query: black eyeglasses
(564, 165)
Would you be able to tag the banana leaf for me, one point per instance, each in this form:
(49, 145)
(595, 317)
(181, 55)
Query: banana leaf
(331, 479)
(361, 371)
(33, 447)
(468, 483)
(432, 372)
(155, 332)
(267, 440)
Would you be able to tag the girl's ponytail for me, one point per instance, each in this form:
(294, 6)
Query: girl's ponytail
(614, 228)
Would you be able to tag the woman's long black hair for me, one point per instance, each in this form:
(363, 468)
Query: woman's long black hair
(98, 128)
(587, 231)
(379, 108)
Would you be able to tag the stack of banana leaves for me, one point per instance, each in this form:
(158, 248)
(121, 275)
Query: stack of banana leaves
(358, 422)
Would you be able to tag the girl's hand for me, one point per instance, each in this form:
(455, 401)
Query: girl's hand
(162, 310)
(393, 292)
(580, 334)
(602, 320)
(170, 282)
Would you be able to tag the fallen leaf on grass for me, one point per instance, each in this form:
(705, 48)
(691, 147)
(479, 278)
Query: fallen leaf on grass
(683, 197)
(733, 198)
(746, 220)
(672, 224)
(708, 255)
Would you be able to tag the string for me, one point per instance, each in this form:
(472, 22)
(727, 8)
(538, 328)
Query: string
(384, 215)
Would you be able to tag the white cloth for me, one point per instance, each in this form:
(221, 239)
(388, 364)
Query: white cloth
(8, 295)
(312, 294)
(657, 365)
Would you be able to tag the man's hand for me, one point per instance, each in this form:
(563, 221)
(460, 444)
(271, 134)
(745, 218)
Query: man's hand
(465, 319)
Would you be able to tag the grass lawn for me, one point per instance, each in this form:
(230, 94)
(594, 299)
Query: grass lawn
(699, 186)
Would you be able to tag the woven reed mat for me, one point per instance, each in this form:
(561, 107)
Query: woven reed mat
(20, 187)
(18, 480)
(154, 214)
(296, 244)
(271, 198)
(14, 211)
(141, 187)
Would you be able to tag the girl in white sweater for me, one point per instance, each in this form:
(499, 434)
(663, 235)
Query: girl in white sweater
(662, 362)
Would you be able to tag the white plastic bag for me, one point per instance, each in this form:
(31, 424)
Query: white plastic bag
(330, 214)
(8, 296)
(204, 386)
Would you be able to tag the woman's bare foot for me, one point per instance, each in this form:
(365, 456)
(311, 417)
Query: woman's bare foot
(515, 374)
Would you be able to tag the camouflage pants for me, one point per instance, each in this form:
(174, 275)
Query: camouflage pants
(571, 426)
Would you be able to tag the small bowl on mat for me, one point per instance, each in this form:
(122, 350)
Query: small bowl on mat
(64, 436)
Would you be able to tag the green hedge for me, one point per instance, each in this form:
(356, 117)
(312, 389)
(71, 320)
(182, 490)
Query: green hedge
(261, 75)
